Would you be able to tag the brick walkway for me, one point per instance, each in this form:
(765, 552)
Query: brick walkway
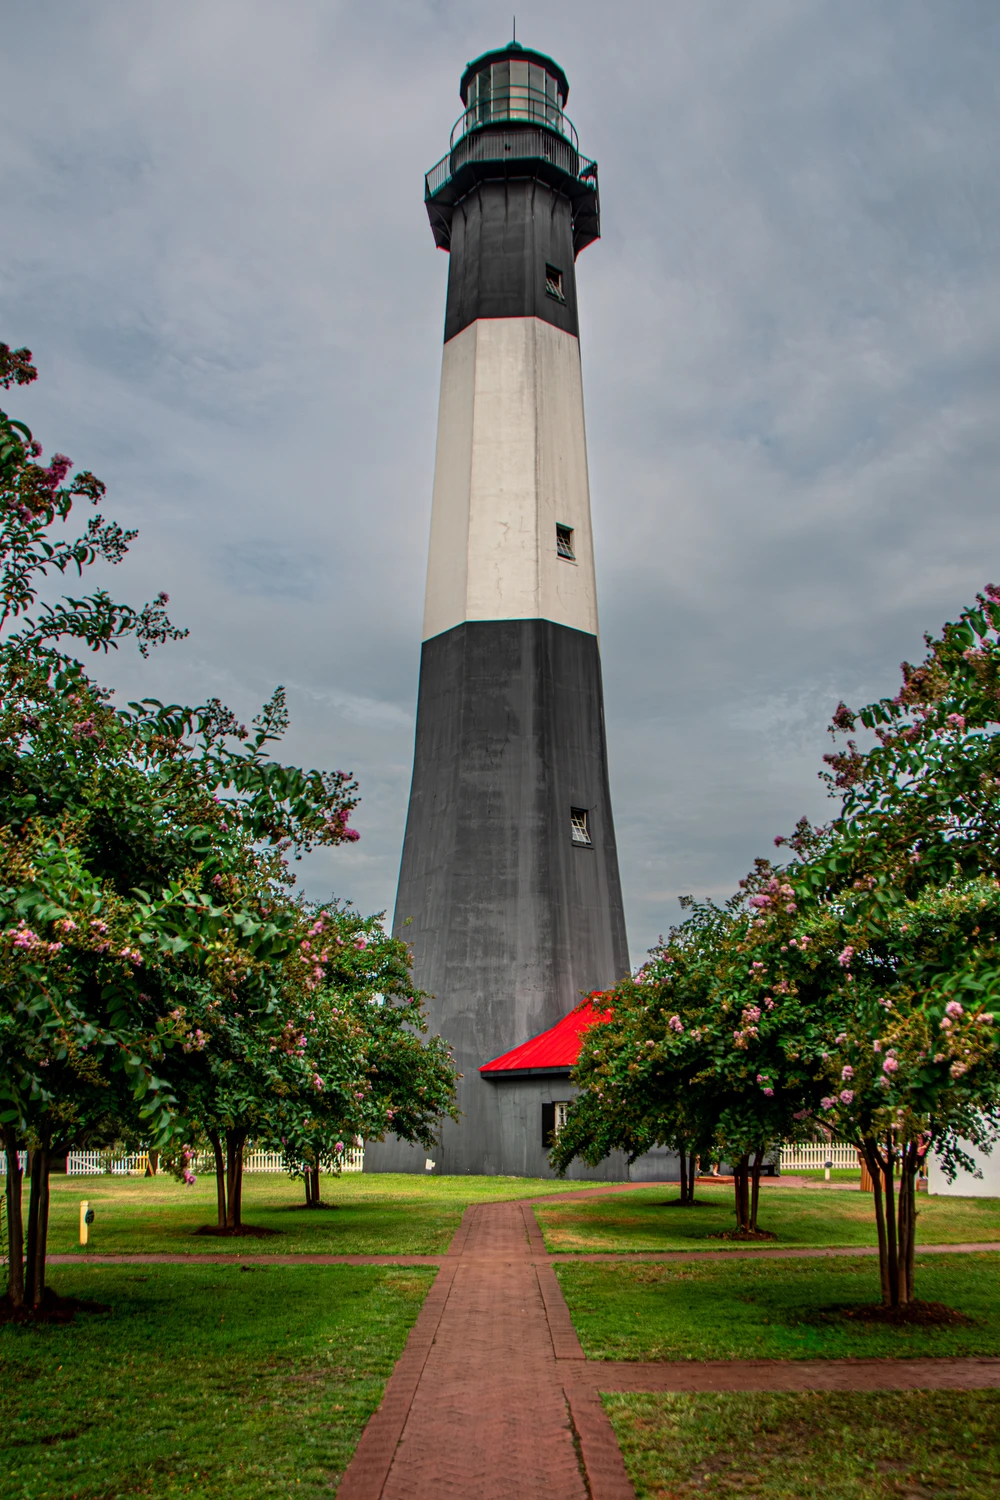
(476, 1409)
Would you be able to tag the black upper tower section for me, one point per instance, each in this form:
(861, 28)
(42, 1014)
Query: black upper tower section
(513, 196)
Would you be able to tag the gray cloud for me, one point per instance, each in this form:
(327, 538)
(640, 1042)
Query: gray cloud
(214, 242)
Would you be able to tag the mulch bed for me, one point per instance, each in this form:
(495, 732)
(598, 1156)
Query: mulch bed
(915, 1314)
(747, 1235)
(245, 1232)
(692, 1203)
(54, 1309)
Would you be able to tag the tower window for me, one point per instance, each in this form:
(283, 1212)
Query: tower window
(564, 542)
(579, 819)
(554, 283)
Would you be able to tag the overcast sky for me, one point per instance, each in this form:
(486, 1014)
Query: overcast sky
(212, 236)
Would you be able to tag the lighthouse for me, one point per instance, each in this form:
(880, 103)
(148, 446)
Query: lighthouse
(509, 891)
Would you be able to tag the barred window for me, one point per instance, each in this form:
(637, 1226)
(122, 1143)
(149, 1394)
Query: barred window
(554, 283)
(580, 826)
(564, 542)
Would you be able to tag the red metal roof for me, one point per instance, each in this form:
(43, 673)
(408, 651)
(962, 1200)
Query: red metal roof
(559, 1047)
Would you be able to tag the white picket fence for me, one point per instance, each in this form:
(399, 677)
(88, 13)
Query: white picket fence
(99, 1163)
(807, 1156)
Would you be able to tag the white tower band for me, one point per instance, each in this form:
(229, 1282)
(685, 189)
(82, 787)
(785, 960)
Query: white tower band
(509, 890)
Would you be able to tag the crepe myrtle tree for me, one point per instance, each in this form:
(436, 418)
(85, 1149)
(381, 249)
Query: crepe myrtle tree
(343, 1056)
(904, 886)
(152, 822)
(693, 1056)
(104, 998)
(406, 1082)
(91, 804)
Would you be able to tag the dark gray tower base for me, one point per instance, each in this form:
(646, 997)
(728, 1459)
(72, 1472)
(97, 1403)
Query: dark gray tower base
(511, 920)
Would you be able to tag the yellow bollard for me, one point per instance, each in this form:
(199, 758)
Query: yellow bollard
(84, 1222)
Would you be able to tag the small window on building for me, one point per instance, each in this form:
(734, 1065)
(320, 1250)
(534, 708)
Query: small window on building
(564, 542)
(580, 826)
(554, 283)
(553, 1120)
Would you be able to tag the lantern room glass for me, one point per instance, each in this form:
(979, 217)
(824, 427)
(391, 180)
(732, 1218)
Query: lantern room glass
(514, 90)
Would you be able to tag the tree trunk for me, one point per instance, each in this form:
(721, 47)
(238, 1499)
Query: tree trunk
(15, 1221)
(740, 1189)
(874, 1161)
(220, 1177)
(38, 1227)
(32, 1246)
(315, 1185)
(234, 1178)
(307, 1179)
(907, 1221)
(685, 1194)
(758, 1162)
(892, 1242)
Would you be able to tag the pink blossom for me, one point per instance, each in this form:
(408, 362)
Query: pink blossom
(360, 942)
(847, 1073)
(317, 1082)
(953, 1009)
(890, 1065)
(827, 1103)
(676, 1024)
(846, 1096)
(769, 1092)
(845, 957)
(957, 1069)
(339, 1147)
(189, 1177)
(841, 1039)
(957, 721)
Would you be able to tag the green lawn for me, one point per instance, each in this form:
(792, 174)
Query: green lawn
(772, 1310)
(838, 1446)
(837, 1174)
(202, 1381)
(800, 1218)
(377, 1214)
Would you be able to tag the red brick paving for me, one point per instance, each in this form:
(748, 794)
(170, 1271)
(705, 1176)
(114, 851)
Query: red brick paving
(792, 1375)
(486, 1413)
